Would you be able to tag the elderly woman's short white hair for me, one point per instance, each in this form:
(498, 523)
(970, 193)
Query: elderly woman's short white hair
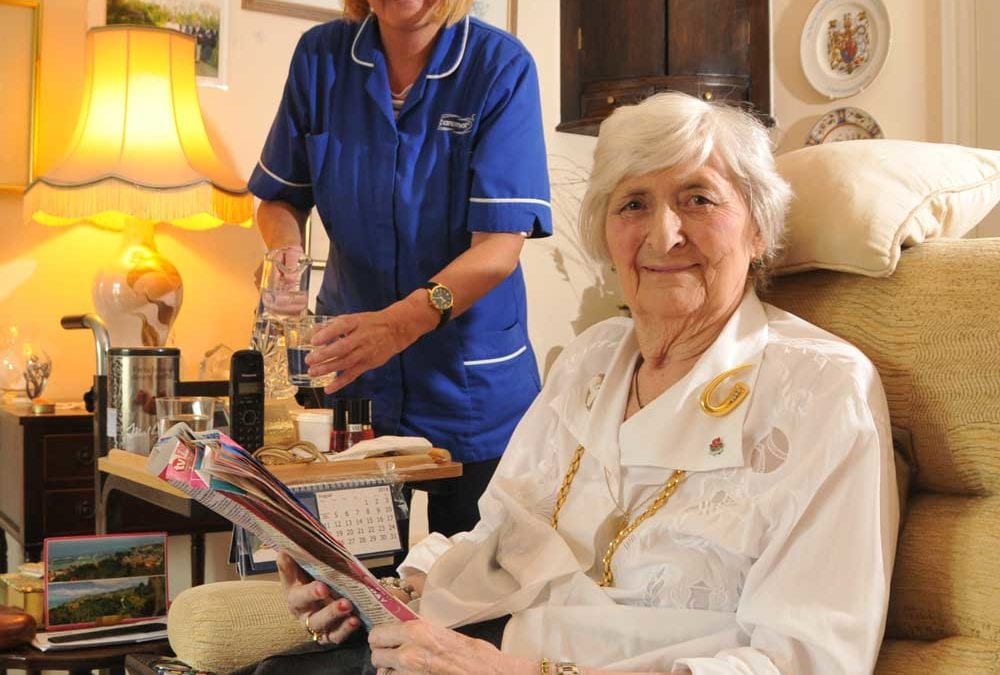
(673, 129)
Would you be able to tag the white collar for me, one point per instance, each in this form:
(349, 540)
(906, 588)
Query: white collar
(671, 431)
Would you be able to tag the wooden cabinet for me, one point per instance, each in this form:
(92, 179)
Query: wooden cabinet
(46, 476)
(619, 52)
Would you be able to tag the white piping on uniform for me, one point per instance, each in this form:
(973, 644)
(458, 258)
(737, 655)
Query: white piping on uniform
(509, 200)
(465, 40)
(355, 44)
(499, 359)
(278, 178)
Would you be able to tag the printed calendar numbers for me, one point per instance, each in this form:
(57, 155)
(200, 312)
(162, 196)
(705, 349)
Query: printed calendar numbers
(362, 518)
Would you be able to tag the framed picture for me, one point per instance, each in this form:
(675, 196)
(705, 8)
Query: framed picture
(205, 20)
(500, 13)
(20, 27)
(100, 580)
(312, 10)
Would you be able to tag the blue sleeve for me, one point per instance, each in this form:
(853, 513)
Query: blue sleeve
(510, 179)
(283, 174)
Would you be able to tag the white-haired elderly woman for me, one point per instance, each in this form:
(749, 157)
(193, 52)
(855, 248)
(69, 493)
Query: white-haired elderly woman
(706, 487)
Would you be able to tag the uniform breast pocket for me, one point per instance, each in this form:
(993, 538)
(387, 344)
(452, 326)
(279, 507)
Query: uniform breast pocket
(501, 374)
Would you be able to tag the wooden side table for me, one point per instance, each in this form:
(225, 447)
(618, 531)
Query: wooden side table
(109, 659)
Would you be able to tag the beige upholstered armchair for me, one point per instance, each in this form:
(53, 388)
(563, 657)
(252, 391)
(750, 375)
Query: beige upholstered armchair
(933, 331)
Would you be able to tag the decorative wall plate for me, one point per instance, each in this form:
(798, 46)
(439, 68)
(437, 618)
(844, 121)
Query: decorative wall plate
(844, 124)
(844, 45)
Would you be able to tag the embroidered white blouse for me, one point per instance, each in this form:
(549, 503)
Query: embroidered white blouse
(774, 555)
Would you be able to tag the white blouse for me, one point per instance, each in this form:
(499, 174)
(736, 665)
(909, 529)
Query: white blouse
(773, 555)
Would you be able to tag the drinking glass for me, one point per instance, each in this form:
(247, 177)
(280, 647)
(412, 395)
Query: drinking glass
(299, 332)
(195, 411)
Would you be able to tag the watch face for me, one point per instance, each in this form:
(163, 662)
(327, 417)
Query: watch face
(441, 297)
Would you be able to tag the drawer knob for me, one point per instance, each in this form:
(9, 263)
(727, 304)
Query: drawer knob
(84, 510)
(707, 95)
(85, 456)
(610, 100)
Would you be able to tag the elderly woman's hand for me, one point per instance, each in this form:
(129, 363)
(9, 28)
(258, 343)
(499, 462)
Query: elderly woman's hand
(328, 619)
(420, 648)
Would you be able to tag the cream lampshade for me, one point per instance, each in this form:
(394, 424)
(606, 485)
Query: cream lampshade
(140, 156)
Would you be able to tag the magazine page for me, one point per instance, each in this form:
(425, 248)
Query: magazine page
(212, 469)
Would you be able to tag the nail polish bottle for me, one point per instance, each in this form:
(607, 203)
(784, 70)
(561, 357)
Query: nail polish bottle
(353, 421)
(367, 431)
(338, 435)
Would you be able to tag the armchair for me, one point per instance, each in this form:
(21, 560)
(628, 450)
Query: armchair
(933, 331)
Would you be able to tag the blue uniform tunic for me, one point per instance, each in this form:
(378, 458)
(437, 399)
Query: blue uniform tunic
(400, 199)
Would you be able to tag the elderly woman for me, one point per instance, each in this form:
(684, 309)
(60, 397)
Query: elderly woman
(707, 487)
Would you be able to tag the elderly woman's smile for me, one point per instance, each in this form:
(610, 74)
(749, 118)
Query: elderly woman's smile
(681, 239)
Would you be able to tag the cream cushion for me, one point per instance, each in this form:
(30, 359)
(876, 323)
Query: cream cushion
(225, 626)
(857, 203)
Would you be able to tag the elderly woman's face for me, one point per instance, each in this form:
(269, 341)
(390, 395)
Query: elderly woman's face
(681, 240)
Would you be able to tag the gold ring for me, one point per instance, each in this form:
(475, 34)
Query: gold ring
(314, 634)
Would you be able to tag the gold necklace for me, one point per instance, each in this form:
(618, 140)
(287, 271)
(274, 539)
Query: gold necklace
(629, 526)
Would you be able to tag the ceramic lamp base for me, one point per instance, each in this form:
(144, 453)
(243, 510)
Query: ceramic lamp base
(139, 293)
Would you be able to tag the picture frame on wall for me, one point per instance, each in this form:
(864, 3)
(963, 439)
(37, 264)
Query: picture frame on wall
(20, 28)
(500, 13)
(205, 20)
(312, 10)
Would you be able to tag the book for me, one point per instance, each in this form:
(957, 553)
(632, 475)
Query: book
(214, 470)
(101, 637)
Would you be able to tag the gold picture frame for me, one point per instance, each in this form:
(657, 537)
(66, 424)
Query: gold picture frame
(20, 43)
(298, 10)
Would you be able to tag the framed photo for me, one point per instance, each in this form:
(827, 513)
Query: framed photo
(20, 27)
(205, 20)
(500, 13)
(312, 10)
(106, 579)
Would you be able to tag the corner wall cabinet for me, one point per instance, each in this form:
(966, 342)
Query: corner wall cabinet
(619, 52)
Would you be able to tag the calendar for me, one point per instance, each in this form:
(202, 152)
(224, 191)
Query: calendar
(362, 518)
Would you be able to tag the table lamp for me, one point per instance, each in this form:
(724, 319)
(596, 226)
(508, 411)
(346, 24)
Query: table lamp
(140, 155)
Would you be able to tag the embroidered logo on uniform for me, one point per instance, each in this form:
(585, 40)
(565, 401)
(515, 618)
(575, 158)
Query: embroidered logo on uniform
(716, 446)
(455, 124)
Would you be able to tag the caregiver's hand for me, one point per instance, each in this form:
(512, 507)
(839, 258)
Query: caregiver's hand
(327, 618)
(354, 343)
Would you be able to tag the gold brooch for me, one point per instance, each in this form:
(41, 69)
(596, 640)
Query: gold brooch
(736, 395)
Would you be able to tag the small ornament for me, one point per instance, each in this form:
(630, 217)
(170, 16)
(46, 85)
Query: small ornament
(716, 446)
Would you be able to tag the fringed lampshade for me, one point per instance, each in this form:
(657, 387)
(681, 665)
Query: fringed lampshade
(140, 155)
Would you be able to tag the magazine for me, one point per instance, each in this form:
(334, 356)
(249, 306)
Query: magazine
(214, 470)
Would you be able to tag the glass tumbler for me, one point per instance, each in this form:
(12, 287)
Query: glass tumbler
(298, 343)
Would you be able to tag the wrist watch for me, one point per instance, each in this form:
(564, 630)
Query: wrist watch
(440, 298)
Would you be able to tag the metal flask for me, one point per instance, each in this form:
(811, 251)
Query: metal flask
(136, 377)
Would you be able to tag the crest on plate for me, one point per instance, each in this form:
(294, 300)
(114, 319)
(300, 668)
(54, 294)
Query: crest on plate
(848, 42)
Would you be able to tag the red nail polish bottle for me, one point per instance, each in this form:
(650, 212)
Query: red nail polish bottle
(353, 421)
(367, 430)
(338, 435)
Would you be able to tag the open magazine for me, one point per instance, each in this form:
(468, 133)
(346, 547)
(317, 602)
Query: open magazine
(213, 469)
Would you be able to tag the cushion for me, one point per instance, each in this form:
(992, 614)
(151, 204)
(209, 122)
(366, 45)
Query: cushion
(225, 626)
(858, 202)
(933, 331)
(945, 580)
(968, 656)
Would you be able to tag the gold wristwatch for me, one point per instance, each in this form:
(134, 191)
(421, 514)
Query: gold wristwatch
(440, 298)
